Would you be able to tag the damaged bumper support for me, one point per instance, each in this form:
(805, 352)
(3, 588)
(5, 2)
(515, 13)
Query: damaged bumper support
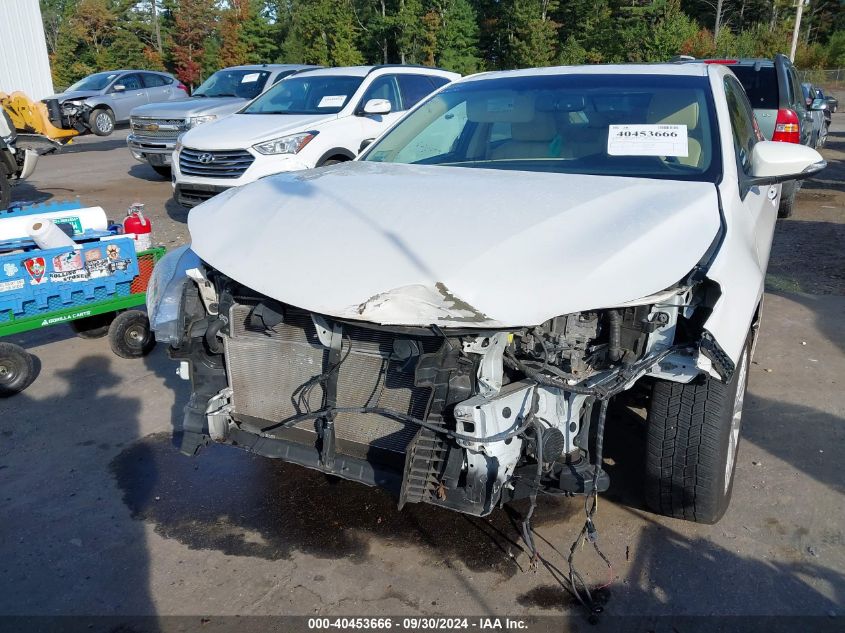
(422, 413)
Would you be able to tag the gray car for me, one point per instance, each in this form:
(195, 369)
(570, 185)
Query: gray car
(774, 91)
(818, 108)
(155, 127)
(100, 100)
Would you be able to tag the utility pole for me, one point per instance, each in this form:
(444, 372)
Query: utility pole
(157, 26)
(797, 28)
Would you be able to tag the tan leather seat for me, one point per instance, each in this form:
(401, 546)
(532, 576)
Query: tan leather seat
(678, 107)
(531, 139)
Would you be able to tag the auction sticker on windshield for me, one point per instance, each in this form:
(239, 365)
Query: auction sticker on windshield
(250, 78)
(647, 140)
(332, 101)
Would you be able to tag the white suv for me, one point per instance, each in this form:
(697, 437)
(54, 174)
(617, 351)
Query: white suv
(316, 118)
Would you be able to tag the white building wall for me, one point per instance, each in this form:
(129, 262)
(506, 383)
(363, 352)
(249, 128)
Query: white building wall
(24, 64)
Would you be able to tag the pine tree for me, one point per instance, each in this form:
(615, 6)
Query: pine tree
(323, 32)
(458, 41)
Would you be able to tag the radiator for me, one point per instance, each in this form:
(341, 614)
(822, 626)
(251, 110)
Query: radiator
(265, 368)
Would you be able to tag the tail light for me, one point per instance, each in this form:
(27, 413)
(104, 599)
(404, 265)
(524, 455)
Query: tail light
(786, 127)
(720, 61)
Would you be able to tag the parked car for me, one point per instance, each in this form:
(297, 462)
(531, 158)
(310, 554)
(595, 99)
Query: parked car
(315, 118)
(156, 126)
(106, 98)
(448, 315)
(775, 93)
(832, 101)
(819, 111)
(823, 103)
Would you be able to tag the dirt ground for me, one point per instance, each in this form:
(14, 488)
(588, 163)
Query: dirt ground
(101, 516)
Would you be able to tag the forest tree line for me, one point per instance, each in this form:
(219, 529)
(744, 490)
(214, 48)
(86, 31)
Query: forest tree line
(193, 38)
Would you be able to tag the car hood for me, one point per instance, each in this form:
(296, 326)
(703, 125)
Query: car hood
(193, 106)
(73, 95)
(462, 247)
(245, 130)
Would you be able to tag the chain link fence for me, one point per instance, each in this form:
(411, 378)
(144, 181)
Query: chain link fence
(829, 79)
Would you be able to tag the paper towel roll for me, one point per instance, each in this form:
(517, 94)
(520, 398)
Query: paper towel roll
(14, 226)
(46, 234)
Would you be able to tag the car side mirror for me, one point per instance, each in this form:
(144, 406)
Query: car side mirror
(774, 161)
(377, 106)
(365, 144)
(819, 104)
(118, 88)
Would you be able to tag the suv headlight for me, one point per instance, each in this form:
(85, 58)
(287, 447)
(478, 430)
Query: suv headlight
(291, 144)
(199, 120)
(164, 293)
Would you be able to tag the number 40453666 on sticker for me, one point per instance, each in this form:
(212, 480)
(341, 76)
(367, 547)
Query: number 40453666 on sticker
(648, 140)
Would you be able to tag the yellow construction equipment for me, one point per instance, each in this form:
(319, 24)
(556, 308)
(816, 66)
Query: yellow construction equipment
(32, 117)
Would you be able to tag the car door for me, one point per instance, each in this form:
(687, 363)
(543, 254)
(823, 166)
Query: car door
(133, 95)
(372, 125)
(760, 202)
(159, 87)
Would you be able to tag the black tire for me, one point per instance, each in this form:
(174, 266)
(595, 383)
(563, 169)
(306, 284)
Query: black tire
(787, 200)
(130, 335)
(101, 121)
(692, 440)
(5, 191)
(96, 326)
(162, 170)
(18, 369)
(332, 161)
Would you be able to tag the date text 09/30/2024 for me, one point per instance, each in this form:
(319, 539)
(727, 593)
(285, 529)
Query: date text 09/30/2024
(417, 624)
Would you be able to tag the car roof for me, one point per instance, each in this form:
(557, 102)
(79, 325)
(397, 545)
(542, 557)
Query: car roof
(269, 67)
(686, 69)
(131, 70)
(363, 71)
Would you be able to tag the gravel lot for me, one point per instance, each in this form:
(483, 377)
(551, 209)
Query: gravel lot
(100, 515)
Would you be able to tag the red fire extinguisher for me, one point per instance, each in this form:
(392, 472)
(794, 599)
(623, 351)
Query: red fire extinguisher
(135, 223)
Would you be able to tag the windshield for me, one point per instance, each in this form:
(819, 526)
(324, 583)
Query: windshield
(615, 125)
(243, 83)
(97, 81)
(317, 94)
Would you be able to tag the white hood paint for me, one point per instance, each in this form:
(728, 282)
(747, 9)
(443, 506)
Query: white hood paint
(244, 130)
(416, 245)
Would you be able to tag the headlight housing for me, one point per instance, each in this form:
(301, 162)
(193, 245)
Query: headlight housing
(72, 107)
(164, 293)
(291, 144)
(199, 120)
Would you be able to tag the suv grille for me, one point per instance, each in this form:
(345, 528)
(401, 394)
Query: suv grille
(230, 163)
(158, 128)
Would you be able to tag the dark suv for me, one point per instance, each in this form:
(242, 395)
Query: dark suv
(774, 91)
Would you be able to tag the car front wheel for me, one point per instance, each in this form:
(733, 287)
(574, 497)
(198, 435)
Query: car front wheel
(101, 122)
(692, 440)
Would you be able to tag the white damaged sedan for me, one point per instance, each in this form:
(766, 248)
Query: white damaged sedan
(449, 315)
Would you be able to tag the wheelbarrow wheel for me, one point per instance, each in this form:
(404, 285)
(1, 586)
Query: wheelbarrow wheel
(130, 335)
(17, 369)
(96, 326)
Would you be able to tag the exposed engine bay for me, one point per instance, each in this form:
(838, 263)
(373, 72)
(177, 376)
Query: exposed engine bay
(462, 418)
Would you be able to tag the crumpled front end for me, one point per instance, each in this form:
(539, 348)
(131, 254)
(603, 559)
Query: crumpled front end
(456, 417)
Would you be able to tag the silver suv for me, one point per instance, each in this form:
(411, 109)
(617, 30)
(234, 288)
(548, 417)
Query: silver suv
(100, 100)
(155, 127)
